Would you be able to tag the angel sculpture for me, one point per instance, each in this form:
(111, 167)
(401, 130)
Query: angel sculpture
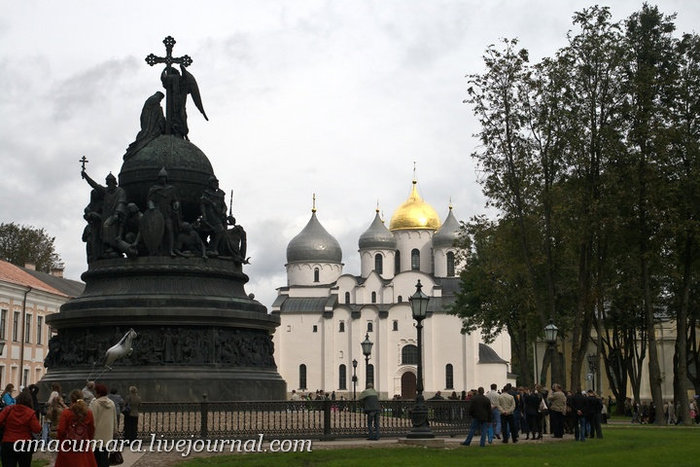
(179, 85)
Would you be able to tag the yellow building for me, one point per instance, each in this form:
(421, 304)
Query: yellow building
(27, 296)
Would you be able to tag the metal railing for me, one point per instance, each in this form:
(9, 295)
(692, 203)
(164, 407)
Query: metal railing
(320, 419)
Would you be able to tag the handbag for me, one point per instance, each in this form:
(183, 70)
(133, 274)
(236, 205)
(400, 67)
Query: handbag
(127, 409)
(116, 458)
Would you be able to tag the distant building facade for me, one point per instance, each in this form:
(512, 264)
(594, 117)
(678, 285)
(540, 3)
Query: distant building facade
(27, 296)
(326, 314)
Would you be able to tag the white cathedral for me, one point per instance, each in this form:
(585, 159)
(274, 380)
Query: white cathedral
(326, 315)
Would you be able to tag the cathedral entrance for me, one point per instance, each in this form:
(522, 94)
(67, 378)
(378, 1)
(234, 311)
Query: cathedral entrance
(408, 386)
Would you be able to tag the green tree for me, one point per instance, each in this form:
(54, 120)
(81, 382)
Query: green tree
(26, 244)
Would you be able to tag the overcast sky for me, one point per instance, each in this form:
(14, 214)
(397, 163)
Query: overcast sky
(332, 97)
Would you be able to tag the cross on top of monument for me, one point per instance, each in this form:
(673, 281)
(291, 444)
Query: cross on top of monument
(178, 85)
(169, 42)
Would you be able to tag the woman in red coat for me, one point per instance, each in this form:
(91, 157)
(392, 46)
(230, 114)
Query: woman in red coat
(75, 428)
(20, 422)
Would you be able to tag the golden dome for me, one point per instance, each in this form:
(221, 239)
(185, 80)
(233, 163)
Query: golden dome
(414, 214)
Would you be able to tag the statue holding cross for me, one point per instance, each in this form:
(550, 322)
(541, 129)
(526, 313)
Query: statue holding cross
(177, 86)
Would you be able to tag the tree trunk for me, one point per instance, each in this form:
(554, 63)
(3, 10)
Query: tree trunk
(680, 360)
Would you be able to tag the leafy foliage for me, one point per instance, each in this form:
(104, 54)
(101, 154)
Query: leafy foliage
(20, 245)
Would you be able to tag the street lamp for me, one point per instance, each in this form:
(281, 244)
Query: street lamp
(354, 378)
(419, 308)
(592, 364)
(367, 351)
(550, 336)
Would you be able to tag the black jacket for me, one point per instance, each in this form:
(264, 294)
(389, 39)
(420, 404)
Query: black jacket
(480, 408)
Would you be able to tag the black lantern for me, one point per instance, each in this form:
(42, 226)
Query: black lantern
(419, 308)
(354, 379)
(550, 336)
(550, 333)
(367, 351)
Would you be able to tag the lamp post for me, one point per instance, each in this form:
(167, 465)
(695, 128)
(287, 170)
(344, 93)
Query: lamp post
(354, 378)
(419, 308)
(592, 367)
(550, 336)
(367, 351)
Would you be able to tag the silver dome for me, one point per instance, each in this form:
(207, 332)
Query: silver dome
(448, 233)
(314, 244)
(377, 236)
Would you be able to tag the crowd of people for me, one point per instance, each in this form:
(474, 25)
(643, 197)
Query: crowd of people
(91, 413)
(512, 412)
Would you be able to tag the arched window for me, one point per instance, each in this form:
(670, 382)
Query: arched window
(370, 374)
(342, 384)
(374, 297)
(395, 325)
(400, 299)
(450, 264)
(379, 263)
(415, 259)
(397, 262)
(341, 326)
(302, 376)
(370, 326)
(409, 355)
(347, 297)
(316, 274)
(449, 377)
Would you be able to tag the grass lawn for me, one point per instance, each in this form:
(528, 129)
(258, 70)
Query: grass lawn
(622, 445)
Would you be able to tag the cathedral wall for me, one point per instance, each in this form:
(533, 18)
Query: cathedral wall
(367, 262)
(304, 273)
(301, 346)
(407, 240)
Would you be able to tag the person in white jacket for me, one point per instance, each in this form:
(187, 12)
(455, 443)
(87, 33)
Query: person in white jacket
(105, 414)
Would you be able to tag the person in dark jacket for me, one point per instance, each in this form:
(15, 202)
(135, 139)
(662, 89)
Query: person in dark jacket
(370, 399)
(20, 423)
(532, 401)
(594, 408)
(578, 407)
(480, 411)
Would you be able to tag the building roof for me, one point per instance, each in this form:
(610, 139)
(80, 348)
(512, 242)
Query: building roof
(314, 244)
(488, 355)
(377, 236)
(34, 279)
(414, 214)
(448, 233)
(69, 287)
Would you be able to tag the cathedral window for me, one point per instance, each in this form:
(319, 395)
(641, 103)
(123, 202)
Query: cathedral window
(315, 328)
(379, 263)
(450, 264)
(415, 259)
(449, 377)
(397, 262)
(347, 297)
(370, 326)
(400, 299)
(342, 380)
(374, 297)
(302, 376)
(370, 373)
(341, 326)
(409, 355)
(316, 275)
(395, 325)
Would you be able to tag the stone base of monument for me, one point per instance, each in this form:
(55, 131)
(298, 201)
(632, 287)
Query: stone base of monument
(196, 332)
(182, 384)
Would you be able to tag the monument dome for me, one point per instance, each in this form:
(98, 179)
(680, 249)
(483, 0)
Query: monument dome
(187, 166)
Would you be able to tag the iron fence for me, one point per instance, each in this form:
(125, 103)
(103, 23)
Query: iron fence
(321, 419)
